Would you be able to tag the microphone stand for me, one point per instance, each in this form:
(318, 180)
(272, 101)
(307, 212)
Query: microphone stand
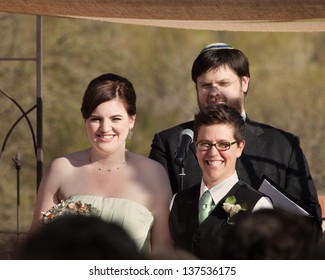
(181, 174)
(186, 138)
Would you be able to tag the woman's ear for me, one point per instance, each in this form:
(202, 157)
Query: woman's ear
(132, 121)
(240, 148)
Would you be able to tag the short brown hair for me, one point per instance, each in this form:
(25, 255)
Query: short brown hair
(220, 114)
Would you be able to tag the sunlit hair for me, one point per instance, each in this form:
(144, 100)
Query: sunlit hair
(105, 88)
(213, 59)
(220, 114)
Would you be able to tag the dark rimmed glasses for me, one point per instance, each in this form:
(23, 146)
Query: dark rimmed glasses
(220, 146)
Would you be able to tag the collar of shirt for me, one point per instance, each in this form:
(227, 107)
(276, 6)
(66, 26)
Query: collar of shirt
(220, 190)
(244, 116)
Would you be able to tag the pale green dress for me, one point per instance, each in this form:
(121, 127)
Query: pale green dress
(133, 217)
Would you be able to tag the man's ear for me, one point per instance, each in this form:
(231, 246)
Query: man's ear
(245, 83)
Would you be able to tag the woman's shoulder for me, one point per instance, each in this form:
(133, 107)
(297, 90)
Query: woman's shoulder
(143, 161)
(153, 174)
(67, 161)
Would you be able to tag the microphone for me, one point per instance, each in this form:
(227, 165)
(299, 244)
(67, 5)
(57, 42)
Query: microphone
(185, 139)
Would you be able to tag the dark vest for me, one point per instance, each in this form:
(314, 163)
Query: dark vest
(202, 240)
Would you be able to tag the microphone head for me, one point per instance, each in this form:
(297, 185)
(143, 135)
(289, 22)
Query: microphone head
(185, 139)
(188, 132)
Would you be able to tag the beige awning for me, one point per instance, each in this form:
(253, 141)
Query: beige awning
(219, 15)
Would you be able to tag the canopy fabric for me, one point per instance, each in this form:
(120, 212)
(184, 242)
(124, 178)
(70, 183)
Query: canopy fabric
(218, 15)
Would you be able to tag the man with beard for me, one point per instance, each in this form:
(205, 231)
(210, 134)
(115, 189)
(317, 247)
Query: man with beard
(221, 75)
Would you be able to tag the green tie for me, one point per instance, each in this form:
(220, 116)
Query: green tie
(206, 206)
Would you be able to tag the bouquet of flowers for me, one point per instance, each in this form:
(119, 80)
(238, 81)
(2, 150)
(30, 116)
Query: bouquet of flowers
(68, 207)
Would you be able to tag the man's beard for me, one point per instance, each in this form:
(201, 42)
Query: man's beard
(222, 100)
(236, 104)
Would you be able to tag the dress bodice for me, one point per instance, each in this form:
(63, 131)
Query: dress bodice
(133, 217)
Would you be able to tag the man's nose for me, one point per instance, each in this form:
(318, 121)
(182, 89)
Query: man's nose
(214, 90)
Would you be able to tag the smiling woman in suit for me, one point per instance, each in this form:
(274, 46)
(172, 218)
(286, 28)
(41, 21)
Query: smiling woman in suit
(200, 214)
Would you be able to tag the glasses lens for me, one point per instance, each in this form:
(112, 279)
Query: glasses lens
(223, 146)
(204, 146)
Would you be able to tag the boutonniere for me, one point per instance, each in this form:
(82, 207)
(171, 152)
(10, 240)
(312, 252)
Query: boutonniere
(68, 207)
(232, 208)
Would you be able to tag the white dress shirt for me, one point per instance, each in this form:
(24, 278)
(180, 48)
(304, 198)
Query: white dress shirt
(220, 190)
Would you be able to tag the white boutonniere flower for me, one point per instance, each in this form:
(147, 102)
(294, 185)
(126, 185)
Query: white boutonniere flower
(231, 207)
(68, 207)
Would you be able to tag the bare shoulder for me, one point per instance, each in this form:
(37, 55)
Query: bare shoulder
(145, 162)
(153, 174)
(68, 162)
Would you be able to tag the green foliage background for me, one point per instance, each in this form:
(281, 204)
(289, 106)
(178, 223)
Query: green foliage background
(286, 90)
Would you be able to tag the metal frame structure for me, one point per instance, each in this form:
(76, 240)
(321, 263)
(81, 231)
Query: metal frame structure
(38, 140)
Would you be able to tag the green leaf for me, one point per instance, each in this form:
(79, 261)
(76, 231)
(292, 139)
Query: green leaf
(230, 222)
(231, 199)
(244, 206)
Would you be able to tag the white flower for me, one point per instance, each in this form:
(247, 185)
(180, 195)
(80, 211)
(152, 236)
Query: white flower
(68, 207)
(231, 207)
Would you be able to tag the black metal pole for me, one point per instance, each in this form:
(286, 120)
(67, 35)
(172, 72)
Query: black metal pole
(39, 101)
(17, 161)
(181, 174)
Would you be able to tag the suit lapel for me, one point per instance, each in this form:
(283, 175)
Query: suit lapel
(189, 208)
(189, 125)
(194, 210)
(247, 163)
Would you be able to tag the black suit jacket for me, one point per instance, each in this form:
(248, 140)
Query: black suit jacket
(203, 239)
(268, 151)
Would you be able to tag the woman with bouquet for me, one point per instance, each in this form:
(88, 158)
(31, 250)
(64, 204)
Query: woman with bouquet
(120, 186)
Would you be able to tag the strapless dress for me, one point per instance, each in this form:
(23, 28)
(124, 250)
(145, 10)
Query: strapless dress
(133, 217)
